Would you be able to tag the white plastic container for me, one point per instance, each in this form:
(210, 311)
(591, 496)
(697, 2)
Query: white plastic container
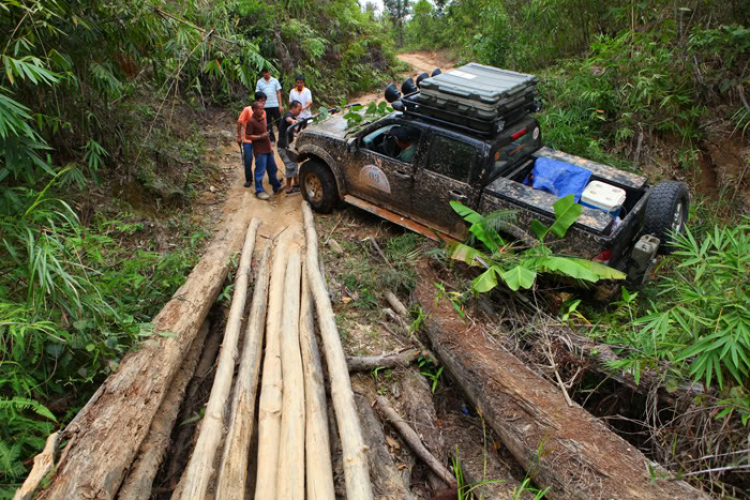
(603, 196)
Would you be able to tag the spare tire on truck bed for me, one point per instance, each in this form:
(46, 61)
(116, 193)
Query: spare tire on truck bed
(667, 212)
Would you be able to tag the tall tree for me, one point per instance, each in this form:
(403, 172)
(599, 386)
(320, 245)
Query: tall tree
(397, 11)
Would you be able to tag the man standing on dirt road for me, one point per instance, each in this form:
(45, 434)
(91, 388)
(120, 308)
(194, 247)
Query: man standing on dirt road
(271, 87)
(290, 167)
(304, 96)
(246, 145)
(257, 131)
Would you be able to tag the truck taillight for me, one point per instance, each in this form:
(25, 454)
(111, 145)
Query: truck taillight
(604, 256)
(518, 134)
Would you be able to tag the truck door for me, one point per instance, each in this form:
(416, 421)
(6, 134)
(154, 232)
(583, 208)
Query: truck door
(373, 172)
(444, 175)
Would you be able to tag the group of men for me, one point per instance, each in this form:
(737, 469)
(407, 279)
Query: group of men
(256, 137)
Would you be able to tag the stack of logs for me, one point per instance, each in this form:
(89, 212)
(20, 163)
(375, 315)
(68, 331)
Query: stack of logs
(117, 442)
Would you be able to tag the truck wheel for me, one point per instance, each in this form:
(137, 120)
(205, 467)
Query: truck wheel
(667, 213)
(318, 186)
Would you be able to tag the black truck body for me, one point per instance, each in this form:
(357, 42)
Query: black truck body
(485, 174)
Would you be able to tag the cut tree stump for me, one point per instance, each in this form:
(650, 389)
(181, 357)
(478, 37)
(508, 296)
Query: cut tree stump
(234, 464)
(200, 468)
(109, 431)
(270, 406)
(319, 472)
(560, 446)
(290, 479)
(139, 481)
(356, 470)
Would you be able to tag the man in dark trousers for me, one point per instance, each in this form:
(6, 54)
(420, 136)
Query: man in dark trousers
(285, 138)
(256, 131)
(271, 87)
(244, 142)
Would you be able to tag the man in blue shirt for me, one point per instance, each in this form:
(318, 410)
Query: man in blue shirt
(271, 87)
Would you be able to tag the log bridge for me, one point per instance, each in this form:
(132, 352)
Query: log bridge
(265, 432)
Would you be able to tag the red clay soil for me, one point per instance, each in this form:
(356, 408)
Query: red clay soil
(560, 446)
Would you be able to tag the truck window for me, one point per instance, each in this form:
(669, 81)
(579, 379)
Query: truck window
(451, 158)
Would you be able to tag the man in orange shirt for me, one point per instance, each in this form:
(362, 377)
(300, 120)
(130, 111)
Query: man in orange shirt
(246, 144)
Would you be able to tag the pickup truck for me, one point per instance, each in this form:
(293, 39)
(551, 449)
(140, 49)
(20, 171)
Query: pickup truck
(485, 174)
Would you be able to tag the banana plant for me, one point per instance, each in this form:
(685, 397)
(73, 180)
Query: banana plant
(520, 268)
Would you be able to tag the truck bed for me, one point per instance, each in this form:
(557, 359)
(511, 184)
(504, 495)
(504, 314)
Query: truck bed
(594, 231)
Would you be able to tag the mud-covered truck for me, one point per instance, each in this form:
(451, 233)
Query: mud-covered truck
(474, 139)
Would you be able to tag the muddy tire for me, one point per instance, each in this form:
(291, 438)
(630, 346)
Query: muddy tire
(667, 212)
(318, 186)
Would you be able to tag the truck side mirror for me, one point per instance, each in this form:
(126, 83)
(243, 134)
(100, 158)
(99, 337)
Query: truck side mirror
(352, 145)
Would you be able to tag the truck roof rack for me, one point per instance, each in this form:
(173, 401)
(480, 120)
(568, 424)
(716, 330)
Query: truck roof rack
(414, 109)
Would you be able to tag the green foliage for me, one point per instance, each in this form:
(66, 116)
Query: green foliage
(704, 313)
(519, 268)
(430, 369)
(84, 87)
(355, 119)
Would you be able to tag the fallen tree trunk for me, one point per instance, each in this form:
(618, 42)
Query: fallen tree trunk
(414, 442)
(109, 431)
(269, 409)
(386, 479)
(196, 395)
(200, 467)
(563, 447)
(139, 481)
(319, 472)
(418, 409)
(290, 479)
(356, 470)
(388, 360)
(233, 472)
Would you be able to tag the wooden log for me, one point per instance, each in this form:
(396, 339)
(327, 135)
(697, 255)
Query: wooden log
(197, 393)
(200, 467)
(318, 469)
(418, 409)
(269, 409)
(387, 482)
(234, 464)
(396, 304)
(139, 481)
(401, 358)
(290, 479)
(44, 463)
(109, 432)
(414, 442)
(356, 470)
(563, 447)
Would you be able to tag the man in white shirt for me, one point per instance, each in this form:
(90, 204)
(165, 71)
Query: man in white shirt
(302, 95)
(271, 87)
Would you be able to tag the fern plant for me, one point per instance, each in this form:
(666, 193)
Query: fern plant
(703, 316)
(519, 268)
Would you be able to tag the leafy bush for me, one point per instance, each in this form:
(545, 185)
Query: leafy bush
(703, 311)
